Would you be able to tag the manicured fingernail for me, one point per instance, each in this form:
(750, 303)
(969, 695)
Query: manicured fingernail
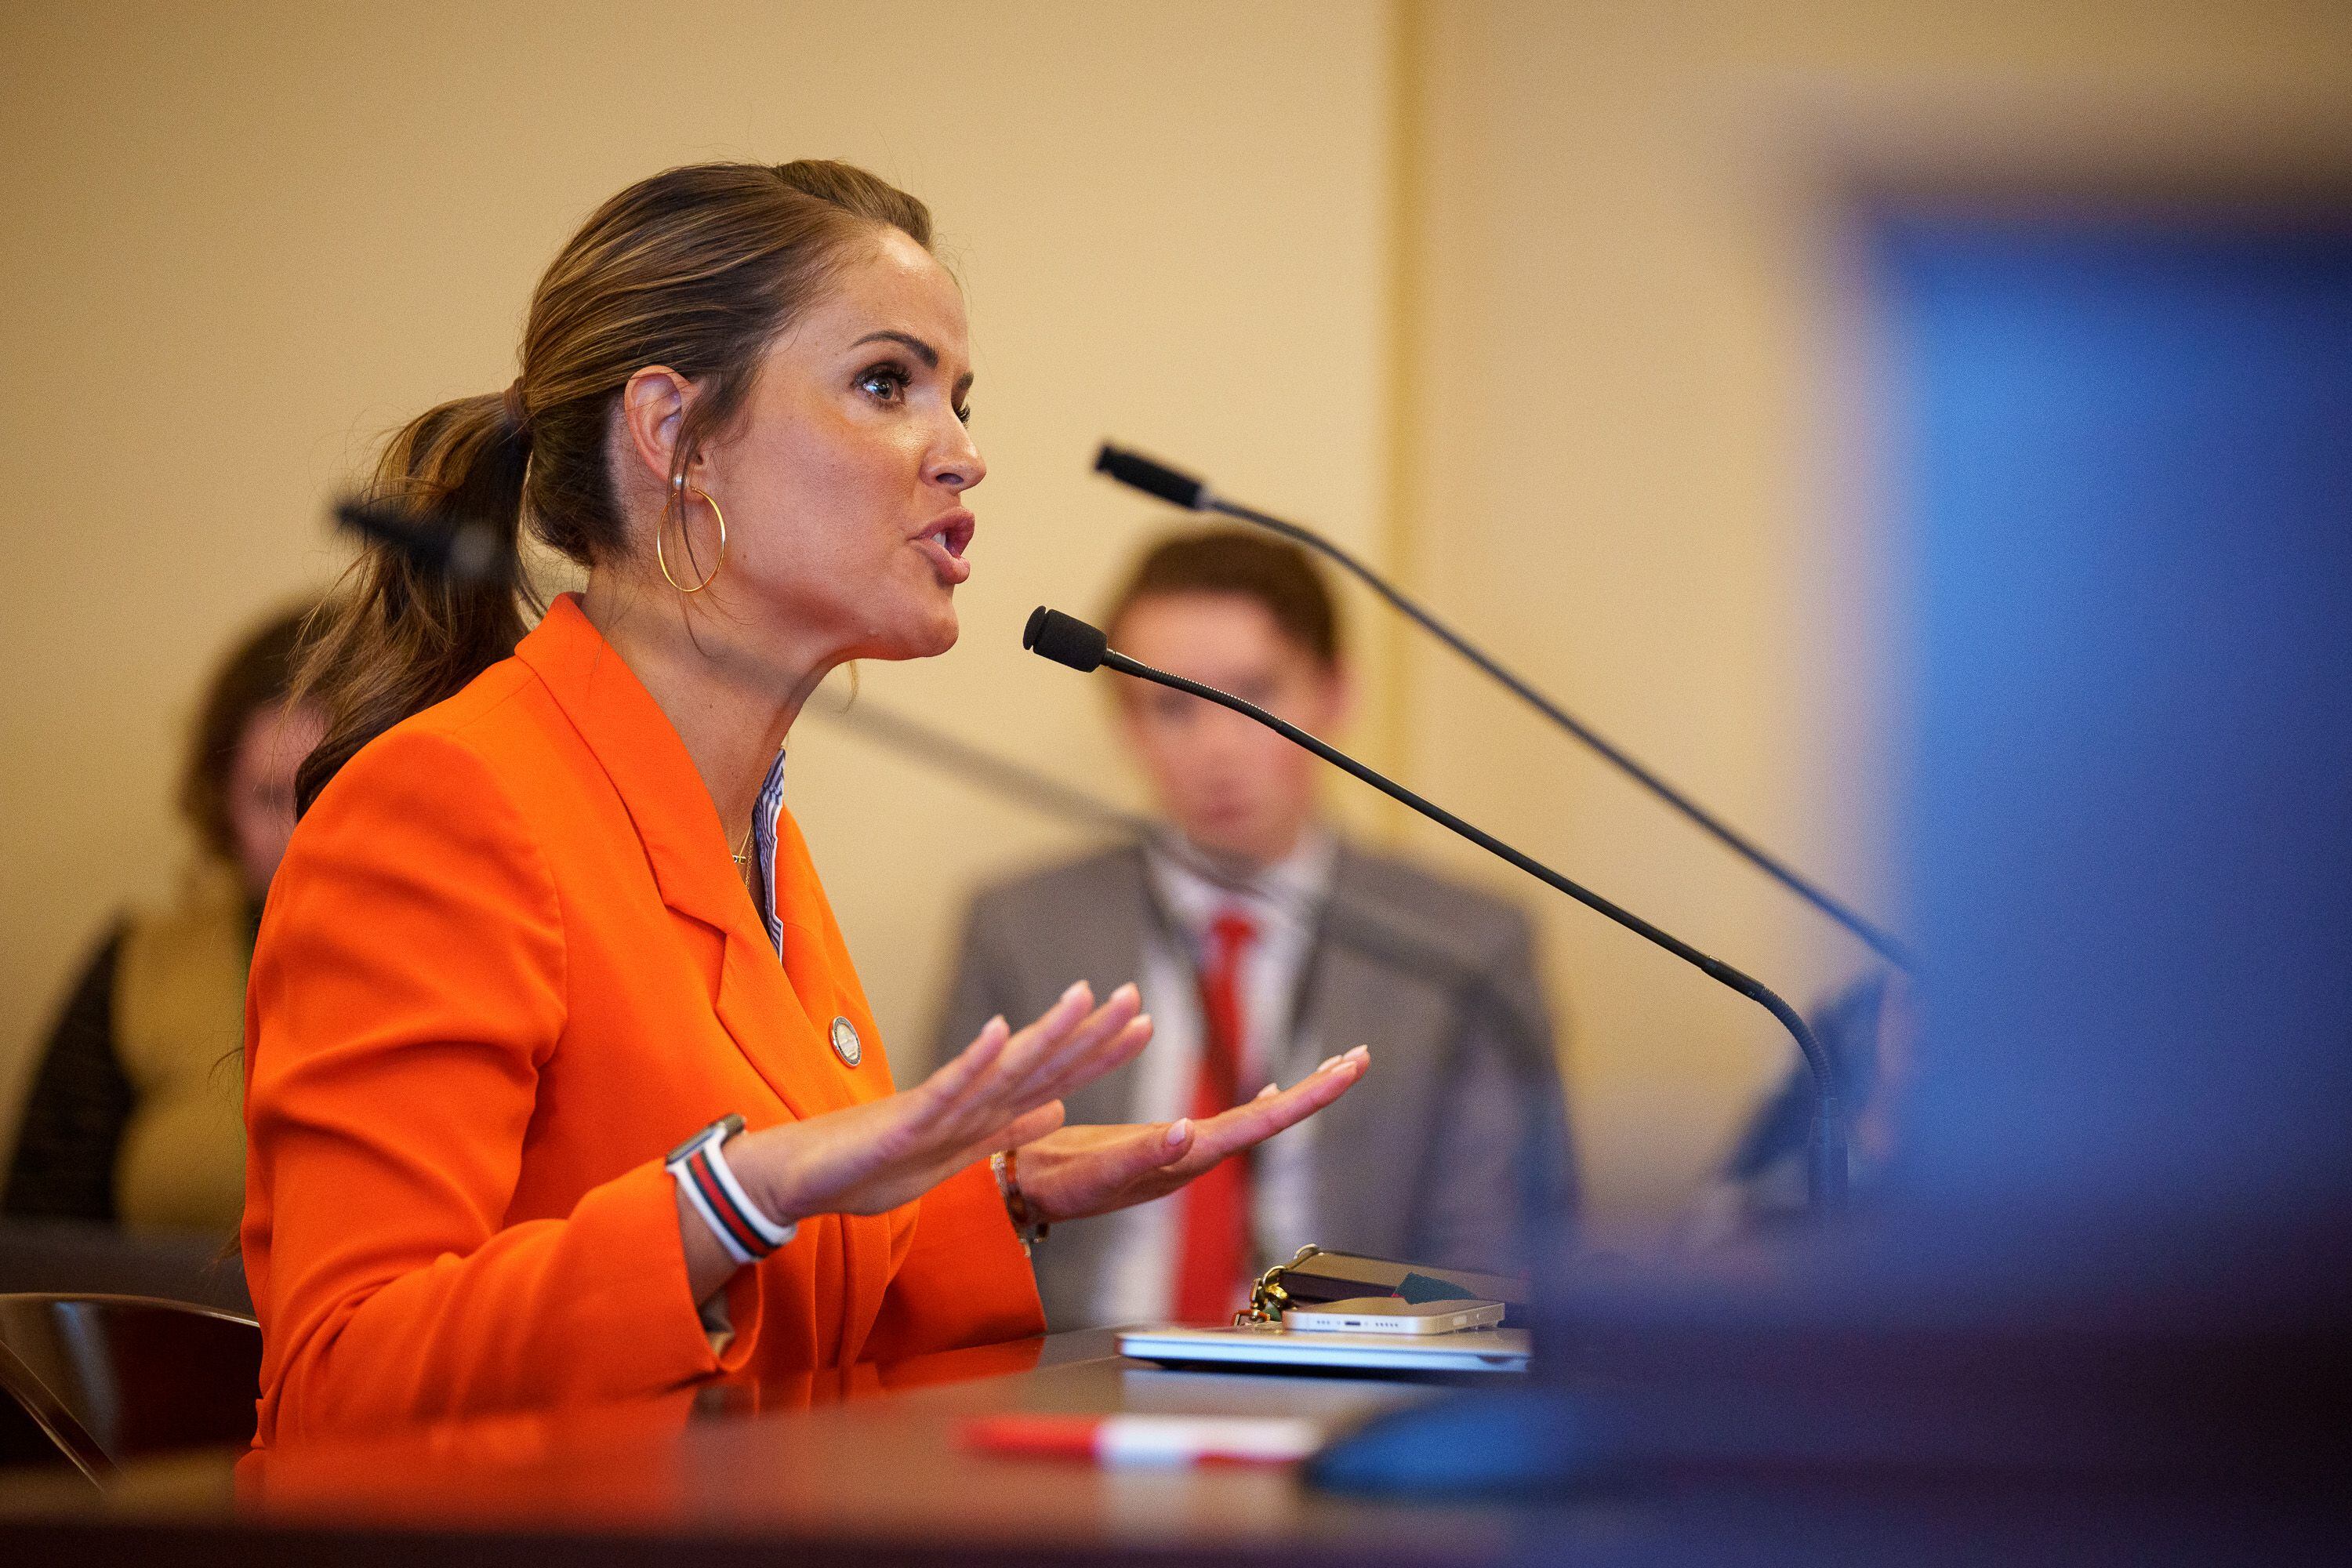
(1266, 1090)
(1360, 1054)
(1327, 1063)
(996, 1026)
(1179, 1130)
(1125, 990)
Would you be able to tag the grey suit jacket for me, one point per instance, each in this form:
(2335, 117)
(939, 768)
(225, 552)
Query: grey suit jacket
(1444, 1153)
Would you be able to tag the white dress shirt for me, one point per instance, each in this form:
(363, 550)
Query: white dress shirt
(1284, 901)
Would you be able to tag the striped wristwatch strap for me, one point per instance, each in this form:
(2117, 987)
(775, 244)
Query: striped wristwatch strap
(701, 1171)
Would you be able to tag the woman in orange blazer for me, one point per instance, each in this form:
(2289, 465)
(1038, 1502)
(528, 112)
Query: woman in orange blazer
(546, 917)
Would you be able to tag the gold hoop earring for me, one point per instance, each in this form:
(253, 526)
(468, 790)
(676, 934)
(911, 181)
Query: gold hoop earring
(682, 489)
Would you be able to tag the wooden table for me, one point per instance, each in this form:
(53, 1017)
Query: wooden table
(830, 1468)
(867, 1467)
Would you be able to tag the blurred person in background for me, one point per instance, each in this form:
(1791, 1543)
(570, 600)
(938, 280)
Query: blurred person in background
(1262, 941)
(134, 1116)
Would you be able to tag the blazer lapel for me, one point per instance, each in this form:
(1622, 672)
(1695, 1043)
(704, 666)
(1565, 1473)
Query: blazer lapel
(1354, 997)
(667, 801)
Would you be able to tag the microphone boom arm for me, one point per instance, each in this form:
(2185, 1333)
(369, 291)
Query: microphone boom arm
(1181, 490)
(1827, 1165)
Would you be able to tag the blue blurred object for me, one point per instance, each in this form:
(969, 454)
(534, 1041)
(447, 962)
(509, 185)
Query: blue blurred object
(2131, 831)
(2116, 1238)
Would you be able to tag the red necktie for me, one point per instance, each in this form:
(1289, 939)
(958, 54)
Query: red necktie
(1212, 1251)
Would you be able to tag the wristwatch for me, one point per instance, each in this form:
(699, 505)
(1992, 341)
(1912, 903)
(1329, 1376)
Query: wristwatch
(700, 1168)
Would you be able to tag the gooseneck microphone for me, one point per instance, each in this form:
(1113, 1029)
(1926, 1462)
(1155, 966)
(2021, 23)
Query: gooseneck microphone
(1067, 640)
(1153, 478)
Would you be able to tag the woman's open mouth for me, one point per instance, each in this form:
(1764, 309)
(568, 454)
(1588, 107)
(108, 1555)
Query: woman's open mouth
(945, 541)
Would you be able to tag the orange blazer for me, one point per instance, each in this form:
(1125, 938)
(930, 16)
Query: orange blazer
(506, 966)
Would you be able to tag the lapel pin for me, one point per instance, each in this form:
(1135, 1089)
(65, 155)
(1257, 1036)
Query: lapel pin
(845, 1044)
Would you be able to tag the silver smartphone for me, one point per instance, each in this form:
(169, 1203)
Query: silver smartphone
(1394, 1315)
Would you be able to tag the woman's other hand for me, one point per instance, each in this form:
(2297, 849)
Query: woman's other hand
(1074, 1172)
(1002, 1091)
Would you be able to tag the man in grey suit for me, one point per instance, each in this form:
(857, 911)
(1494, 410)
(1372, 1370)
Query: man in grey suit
(1262, 943)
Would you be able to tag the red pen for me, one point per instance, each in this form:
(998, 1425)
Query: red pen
(1146, 1439)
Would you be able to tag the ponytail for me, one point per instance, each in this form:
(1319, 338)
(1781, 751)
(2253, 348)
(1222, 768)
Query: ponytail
(401, 637)
(699, 268)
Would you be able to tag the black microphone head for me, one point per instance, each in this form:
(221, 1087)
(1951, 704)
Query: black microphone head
(1140, 472)
(1064, 639)
(442, 544)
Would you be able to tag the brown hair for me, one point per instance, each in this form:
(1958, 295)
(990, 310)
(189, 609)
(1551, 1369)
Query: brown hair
(698, 268)
(258, 674)
(1271, 573)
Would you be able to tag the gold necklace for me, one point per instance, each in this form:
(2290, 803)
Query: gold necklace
(743, 850)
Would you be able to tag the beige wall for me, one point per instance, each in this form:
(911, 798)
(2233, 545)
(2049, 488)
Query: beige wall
(1537, 301)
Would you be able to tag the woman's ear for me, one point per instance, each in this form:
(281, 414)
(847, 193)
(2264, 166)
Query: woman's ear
(652, 409)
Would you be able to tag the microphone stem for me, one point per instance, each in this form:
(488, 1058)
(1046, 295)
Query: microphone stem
(1827, 1167)
(1879, 940)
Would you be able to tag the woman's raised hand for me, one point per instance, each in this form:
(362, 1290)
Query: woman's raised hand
(1074, 1172)
(1001, 1090)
